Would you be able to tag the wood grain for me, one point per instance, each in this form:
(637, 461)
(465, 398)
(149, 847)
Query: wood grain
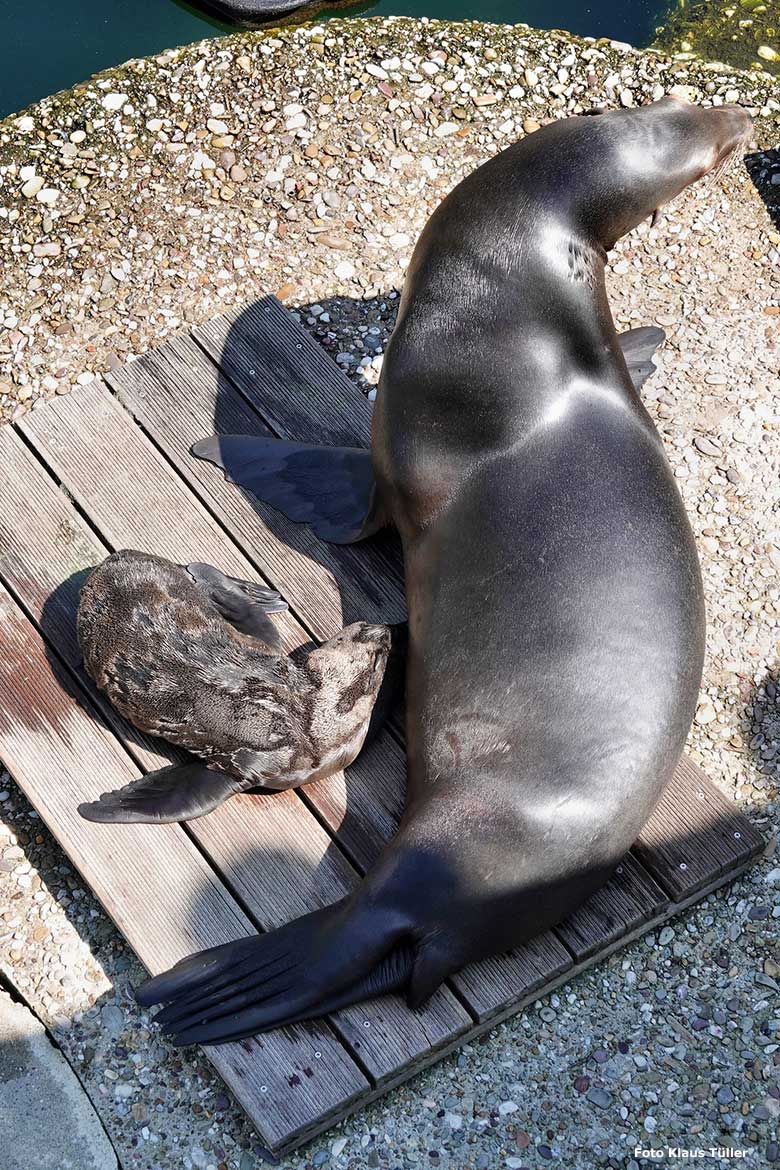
(178, 396)
(628, 899)
(289, 378)
(695, 834)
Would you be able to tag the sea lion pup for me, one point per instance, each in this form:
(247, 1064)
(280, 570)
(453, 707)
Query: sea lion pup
(556, 620)
(191, 655)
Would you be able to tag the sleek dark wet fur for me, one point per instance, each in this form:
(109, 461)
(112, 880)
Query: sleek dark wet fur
(556, 620)
(191, 655)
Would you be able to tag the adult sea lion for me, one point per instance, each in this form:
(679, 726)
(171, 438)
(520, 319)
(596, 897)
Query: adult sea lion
(556, 620)
(191, 655)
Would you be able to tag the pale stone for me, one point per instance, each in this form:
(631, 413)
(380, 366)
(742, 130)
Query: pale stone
(113, 101)
(32, 187)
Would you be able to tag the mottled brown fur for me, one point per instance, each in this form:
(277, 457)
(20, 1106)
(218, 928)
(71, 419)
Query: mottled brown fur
(158, 646)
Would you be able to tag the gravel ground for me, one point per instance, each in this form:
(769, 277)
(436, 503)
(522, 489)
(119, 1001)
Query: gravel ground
(306, 162)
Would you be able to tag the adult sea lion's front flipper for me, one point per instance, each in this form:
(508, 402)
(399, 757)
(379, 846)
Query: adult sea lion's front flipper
(639, 346)
(331, 488)
(244, 604)
(180, 792)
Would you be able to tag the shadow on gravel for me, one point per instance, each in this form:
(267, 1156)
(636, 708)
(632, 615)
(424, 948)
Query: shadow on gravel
(764, 742)
(764, 170)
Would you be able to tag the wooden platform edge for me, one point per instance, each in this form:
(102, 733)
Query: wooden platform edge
(488, 1025)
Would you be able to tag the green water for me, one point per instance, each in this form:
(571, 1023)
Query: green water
(51, 44)
(745, 33)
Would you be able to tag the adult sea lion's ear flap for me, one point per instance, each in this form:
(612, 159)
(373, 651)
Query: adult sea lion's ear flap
(331, 488)
(639, 346)
(180, 792)
(244, 604)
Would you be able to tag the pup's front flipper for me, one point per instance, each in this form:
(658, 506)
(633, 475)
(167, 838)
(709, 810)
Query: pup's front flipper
(180, 792)
(639, 346)
(244, 604)
(331, 488)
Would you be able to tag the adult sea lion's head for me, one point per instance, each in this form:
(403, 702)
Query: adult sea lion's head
(614, 170)
(660, 149)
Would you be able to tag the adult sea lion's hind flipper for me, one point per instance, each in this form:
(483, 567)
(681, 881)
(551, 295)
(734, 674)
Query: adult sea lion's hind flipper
(331, 488)
(309, 967)
(180, 792)
(244, 604)
(639, 346)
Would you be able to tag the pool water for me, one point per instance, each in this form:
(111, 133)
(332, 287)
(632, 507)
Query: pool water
(49, 45)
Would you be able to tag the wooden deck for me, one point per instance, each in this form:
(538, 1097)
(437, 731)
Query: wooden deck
(108, 466)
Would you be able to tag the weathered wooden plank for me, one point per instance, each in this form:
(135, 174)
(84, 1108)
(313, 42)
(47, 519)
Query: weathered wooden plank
(302, 868)
(695, 834)
(166, 907)
(288, 377)
(493, 985)
(178, 395)
(299, 392)
(43, 564)
(629, 898)
(363, 805)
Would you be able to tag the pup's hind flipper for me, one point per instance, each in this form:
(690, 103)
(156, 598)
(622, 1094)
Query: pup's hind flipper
(244, 604)
(180, 792)
(331, 488)
(308, 968)
(639, 346)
